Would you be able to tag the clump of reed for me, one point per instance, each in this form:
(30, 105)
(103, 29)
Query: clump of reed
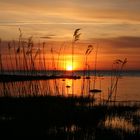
(23, 56)
(117, 69)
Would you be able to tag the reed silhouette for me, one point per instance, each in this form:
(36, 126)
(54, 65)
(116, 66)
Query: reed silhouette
(33, 103)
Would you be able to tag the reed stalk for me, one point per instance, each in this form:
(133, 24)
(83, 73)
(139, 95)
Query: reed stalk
(44, 56)
(115, 79)
(1, 63)
(76, 37)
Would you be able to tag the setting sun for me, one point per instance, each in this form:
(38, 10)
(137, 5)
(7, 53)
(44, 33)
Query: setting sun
(69, 67)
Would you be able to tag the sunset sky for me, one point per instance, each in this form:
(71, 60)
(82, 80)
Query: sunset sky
(112, 24)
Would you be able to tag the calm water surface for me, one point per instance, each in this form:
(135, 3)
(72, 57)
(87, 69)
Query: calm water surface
(128, 86)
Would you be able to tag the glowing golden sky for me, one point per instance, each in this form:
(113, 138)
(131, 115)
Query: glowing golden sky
(114, 23)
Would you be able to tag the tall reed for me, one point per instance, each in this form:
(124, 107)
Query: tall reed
(86, 65)
(117, 66)
(1, 63)
(76, 37)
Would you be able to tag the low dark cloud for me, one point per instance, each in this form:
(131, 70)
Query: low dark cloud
(46, 37)
(122, 42)
(50, 36)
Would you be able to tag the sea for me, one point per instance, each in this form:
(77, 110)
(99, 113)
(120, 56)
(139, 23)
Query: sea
(126, 85)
